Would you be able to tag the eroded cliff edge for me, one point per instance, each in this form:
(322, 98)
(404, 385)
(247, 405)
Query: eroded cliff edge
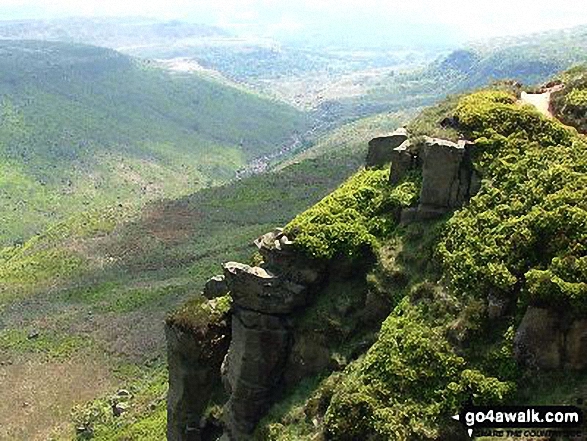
(273, 345)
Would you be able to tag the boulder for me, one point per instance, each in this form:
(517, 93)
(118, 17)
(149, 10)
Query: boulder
(274, 240)
(441, 161)
(123, 393)
(119, 408)
(381, 148)
(448, 178)
(282, 258)
(258, 289)
(215, 287)
(309, 356)
(402, 161)
(551, 339)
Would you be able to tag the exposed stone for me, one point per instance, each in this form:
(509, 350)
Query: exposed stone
(123, 393)
(264, 298)
(257, 289)
(274, 240)
(576, 345)
(402, 161)
(448, 177)
(539, 340)
(119, 408)
(253, 368)
(377, 307)
(282, 258)
(194, 358)
(408, 215)
(440, 173)
(550, 339)
(381, 148)
(215, 287)
(309, 355)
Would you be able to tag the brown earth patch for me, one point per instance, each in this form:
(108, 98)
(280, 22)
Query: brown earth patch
(37, 396)
(136, 337)
(170, 222)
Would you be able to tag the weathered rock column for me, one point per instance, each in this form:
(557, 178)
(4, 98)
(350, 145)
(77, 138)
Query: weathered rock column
(549, 339)
(263, 300)
(445, 182)
(253, 368)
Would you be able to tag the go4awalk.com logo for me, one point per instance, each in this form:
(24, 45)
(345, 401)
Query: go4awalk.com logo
(521, 421)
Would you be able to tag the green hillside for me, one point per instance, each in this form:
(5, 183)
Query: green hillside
(570, 103)
(521, 238)
(82, 127)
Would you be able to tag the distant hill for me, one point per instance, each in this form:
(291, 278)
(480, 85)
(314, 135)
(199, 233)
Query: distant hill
(108, 32)
(82, 126)
(530, 59)
(296, 72)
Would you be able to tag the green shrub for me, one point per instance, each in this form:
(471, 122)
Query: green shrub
(350, 219)
(408, 384)
(199, 313)
(531, 212)
(487, 113)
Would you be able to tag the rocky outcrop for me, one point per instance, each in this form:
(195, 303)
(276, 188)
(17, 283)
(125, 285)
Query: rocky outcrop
(253, 368)
(381, 148)
(264, 299)
(576, 345)
(550, 339)
(264, 352)
(448, 176)
(403, 160)
(257, 289)
(274, 344)
(194, 354)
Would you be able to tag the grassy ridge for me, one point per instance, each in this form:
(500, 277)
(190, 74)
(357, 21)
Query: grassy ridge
(529, 59)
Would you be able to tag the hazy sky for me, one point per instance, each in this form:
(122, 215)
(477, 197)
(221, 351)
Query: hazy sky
(461, 19)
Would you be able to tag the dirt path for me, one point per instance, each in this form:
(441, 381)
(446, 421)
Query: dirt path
(540, 100)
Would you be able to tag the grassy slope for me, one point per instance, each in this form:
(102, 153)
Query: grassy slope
(113, 32)
(134, 272)
(109, 277)
(83, 127)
